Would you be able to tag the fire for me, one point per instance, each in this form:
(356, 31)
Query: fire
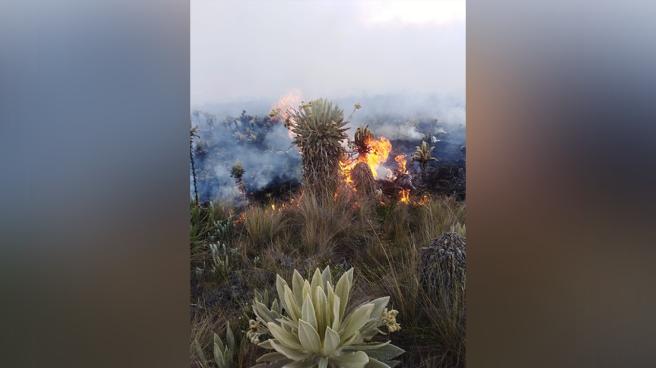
(379, 150)
(401, 169)
(401, 164)
(345, 168)
(404, 196)
(375, 155)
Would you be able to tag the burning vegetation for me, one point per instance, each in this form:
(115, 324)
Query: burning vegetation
(273, 163)
(319, 131)
(373, 153)
(357, 204)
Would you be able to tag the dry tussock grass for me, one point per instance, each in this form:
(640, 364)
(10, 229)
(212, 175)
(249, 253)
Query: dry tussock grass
(381, 241)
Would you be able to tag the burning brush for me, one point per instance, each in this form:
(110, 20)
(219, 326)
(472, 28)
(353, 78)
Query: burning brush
(361, 173)
(403, 179)
(318, 129)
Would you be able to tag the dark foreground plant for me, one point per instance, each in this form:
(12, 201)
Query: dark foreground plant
(443, 278)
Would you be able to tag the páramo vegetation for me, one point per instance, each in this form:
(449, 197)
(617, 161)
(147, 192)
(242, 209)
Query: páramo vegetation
(361, 266)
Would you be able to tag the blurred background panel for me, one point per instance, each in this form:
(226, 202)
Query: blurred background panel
(94, 129)
(561, 184)
(94, 110)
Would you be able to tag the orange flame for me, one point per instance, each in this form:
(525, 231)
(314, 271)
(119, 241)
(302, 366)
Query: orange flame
(377, 154)
(345, 168)
(401, 164)
(404, 196)
(379, 150)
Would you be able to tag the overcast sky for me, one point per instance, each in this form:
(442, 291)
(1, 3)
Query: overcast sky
(265, 49)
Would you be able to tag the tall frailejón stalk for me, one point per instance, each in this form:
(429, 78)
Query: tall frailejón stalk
(192, 135)
(319, 129)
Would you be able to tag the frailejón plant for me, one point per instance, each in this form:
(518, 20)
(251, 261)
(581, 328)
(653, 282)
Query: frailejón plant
(224, 353)
(311, 327)
(423, 154)
(361, 140)
(319, 128)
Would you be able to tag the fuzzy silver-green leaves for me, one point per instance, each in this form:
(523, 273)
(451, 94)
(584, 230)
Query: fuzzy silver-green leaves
(224, 353)
(319, 129)
(310, 326)
(423, 154)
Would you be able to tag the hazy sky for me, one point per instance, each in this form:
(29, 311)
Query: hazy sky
(264, 49)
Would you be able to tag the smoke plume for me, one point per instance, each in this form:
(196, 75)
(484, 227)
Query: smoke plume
(264, 148)
(261, 145)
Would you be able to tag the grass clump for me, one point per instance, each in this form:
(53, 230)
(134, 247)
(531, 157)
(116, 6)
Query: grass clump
(442, 273)
(261, 226)
(322, 222)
